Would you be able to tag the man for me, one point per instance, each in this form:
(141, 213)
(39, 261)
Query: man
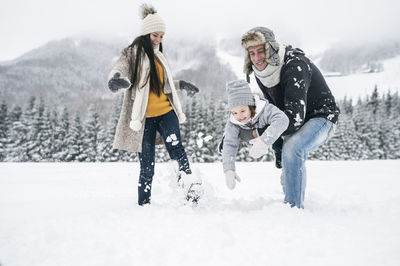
(289, 80)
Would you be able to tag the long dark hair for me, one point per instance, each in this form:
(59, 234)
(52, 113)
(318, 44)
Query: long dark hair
(143, 43)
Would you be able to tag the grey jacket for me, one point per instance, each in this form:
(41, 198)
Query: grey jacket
(266, 114)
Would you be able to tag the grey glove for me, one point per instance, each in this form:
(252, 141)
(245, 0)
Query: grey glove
(116, 82)
(188, 87)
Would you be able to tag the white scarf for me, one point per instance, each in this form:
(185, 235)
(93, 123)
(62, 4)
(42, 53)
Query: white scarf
(271, 75)
(139, 106)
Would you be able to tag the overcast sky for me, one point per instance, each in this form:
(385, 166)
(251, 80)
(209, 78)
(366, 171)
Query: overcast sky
(313, 24)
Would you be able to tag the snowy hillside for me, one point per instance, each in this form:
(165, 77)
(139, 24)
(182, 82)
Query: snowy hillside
(86, 214)
(352, 86)
(359, 85)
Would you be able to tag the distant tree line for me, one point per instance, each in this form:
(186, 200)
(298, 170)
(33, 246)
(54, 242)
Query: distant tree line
(353, 58)
(368, 129)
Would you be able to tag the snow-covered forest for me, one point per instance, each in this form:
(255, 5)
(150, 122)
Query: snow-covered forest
(367, 129)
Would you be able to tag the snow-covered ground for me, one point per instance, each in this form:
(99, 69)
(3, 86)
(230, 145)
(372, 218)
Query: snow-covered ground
(86, 214)
(352, 86)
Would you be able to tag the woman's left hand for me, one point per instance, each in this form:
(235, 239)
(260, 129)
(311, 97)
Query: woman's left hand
(188, 87)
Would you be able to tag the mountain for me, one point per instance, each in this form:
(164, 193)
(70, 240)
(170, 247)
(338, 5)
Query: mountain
(68, 72)
(73, 72)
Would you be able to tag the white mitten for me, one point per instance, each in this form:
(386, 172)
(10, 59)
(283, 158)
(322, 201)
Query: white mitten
(258, 149)
(230, 178)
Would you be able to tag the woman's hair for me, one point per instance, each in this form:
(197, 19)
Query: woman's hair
(252, 110)
(143, 43)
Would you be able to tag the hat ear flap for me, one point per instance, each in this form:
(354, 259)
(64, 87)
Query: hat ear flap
(247, 69)
(271, 50)
(274, 46)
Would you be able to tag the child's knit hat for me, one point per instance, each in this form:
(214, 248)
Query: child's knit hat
(152, 22)
(239, 93)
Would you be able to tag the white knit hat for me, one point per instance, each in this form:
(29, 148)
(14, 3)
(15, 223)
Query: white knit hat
(152, 22)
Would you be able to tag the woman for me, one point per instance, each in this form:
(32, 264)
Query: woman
(151, 104)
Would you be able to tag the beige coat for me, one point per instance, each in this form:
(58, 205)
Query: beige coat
(126, 138)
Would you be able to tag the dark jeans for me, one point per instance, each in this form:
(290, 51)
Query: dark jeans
(168, 127)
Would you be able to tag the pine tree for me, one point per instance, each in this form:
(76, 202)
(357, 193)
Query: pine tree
(362, 126)
(389, 128)
(46, 138)
(210, 138)
(13, 118)
(93, 134)
(373, 103)
(75, 142)
(22, 134)
(108, 154)
(61, 131)
(41, 142)
(345, 143)
(4, 128)
(191, 131)
(199, 129)
(388, 104)
(375, 136)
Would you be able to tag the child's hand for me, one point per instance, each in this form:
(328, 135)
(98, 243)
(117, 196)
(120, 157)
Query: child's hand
(230, 178)
(258, 149)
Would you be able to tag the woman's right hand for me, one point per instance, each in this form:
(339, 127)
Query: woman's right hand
(116, 82)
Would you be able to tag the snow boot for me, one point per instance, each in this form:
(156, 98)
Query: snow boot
(144, 190)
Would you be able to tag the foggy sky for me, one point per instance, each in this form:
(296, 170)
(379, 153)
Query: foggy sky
(313, 25)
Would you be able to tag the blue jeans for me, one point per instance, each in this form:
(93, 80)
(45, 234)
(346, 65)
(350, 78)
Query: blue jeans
(168, 127)
(314, 133)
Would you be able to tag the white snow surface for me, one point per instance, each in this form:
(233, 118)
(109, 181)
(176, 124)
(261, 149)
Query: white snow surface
(86, 214)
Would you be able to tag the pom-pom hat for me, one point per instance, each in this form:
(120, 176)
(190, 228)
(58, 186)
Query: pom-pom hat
(152, 22)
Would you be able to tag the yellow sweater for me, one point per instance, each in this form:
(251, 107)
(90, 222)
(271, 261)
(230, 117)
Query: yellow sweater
(157, 106)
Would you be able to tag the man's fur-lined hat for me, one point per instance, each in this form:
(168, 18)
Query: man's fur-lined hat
(258, 36)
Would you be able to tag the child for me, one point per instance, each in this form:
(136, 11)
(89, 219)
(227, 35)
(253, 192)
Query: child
(248, 112)
(151, 105)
